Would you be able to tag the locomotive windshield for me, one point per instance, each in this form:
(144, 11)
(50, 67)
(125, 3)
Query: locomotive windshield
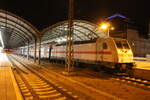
(122, 44)
(119, 45)
(125, 44)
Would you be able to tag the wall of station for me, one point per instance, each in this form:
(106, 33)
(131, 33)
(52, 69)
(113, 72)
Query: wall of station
(140, 46)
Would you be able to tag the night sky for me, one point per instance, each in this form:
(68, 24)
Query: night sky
(42, 13)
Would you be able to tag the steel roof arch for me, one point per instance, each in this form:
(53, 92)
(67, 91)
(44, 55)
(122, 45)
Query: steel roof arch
(20, 19)
(80, 26)
(10, 26)
(13, 22)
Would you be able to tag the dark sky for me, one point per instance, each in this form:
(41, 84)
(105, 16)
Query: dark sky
(43, 13)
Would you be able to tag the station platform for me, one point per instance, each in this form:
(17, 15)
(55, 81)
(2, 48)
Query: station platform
(8, 86)
(142, 63)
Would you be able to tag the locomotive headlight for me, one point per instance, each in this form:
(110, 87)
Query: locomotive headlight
(120, 60)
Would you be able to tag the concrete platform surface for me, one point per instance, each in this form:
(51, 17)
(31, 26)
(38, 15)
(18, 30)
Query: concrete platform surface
(143, 65)
(8, 87)
(142, 69)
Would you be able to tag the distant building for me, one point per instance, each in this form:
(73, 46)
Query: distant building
(124, 28)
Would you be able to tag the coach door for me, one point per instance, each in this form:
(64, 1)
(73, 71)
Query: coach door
(50, 49)
(99, 50)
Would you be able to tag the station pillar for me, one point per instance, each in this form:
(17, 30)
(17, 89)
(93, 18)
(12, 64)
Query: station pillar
(28, 51)
(23, 51)
(39, 58)
(35, 47)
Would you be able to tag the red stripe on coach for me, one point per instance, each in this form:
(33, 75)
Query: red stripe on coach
(85, 52)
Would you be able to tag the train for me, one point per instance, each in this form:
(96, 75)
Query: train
(112, 53)
(8, 51)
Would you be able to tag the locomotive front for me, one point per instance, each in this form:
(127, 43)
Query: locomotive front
(124, 54)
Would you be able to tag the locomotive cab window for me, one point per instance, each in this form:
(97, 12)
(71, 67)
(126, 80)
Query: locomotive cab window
(125, 45)
(105, 46)
(122, 44)
(119, 45)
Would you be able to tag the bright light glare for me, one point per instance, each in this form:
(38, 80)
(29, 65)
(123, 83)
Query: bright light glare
(1, 57)
(1, 49)
(104, 26)
(4, 60)
(1, 39)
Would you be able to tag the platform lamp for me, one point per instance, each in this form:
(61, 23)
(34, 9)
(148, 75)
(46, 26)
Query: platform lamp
(106, 27)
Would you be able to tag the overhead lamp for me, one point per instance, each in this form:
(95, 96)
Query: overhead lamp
(106, 27)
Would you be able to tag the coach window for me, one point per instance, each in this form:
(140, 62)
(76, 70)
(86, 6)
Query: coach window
(105, 46)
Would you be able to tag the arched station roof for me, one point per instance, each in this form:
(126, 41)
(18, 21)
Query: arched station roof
(15, 31)
(83, 30)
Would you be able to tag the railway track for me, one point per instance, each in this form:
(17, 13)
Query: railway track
(35, 86)
(142, 83)
(130, 80)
